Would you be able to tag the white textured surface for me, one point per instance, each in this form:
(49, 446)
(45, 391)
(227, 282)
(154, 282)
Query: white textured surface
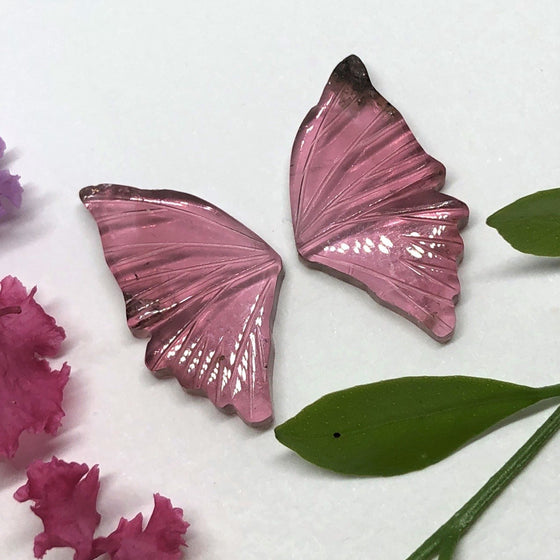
(207, 97)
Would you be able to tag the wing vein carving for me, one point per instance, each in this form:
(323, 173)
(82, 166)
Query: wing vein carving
(200, 285)
(366, 203)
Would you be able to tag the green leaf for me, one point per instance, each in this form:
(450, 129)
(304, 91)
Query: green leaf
(404, 424)
(531, 224)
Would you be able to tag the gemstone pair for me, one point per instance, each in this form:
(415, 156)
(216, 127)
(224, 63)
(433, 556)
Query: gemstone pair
(365, 206)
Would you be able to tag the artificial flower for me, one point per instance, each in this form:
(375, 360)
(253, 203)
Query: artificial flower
(30, 392)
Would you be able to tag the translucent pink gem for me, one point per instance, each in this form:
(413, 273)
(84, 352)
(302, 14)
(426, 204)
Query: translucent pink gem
(200, 284)
(366, 206)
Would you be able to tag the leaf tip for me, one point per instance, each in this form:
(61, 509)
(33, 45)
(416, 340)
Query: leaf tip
(491, 220)
(279, 433)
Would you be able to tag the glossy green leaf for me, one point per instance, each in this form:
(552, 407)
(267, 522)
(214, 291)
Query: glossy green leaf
(402, 425)
(531, 224)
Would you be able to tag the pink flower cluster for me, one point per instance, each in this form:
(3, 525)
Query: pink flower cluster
(30, 392)
(65, 496)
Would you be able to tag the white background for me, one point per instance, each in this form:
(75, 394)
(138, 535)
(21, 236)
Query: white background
(206, 97)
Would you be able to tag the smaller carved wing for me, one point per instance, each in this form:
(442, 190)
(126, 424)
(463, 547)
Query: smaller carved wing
(366, 206)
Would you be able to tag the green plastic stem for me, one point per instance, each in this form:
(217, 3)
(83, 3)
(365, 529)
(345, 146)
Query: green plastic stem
(445, 539)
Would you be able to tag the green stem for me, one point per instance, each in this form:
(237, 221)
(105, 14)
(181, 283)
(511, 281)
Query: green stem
(448, 546)
(460, 522)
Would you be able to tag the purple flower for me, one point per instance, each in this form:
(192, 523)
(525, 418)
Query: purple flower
(10, 187)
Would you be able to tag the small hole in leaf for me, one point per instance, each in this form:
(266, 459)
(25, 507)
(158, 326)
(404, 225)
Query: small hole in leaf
(336, 435)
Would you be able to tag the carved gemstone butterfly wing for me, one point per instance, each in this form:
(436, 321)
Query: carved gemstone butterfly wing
(365, 203)
(200, 284)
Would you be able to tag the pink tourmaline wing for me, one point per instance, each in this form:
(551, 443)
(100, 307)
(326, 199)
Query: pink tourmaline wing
(366, 206)
(200, 284)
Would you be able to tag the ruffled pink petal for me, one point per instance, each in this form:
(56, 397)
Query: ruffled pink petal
(161, 540)
(65, 496)
(30, 392)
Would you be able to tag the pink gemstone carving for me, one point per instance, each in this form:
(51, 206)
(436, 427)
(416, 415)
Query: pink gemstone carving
(201, 285)
(366, 206)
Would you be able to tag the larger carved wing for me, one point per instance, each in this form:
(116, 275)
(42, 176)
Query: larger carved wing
(200, 284)
(365, 202)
